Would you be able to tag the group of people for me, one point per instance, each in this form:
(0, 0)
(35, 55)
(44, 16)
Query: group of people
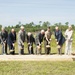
(10, 39)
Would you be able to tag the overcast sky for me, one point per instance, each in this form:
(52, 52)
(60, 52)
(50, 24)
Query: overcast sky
(26, 11)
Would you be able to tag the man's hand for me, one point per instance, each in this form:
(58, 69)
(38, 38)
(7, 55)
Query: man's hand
(13, 44)
(28, 43)
(5, 41)
(57, 43)
(50, 39)
(56, 39)
(48, 42)
(23, 44)
(39, 44)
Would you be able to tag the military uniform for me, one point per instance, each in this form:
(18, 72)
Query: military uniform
(47, 40)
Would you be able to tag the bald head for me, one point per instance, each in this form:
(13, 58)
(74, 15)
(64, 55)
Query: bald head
(42, 31)
(29, 33)
(22, 27)
(56, 28)
(12, 30)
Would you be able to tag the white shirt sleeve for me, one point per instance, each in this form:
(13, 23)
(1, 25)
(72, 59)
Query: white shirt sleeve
(70, 35)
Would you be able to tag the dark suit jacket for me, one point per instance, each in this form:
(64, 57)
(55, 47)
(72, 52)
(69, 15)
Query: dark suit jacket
(30, 39)
(11, 38)
(39, 38)
(4, 36)
(59, 36)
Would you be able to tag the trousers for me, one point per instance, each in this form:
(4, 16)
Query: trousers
(47, 49)
(21, 49)
(4, 48)
(68, 47)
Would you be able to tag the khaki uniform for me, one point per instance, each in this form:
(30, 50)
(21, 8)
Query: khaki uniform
(47, 42)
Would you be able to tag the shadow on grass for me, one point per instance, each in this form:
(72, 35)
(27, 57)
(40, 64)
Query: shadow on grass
(73, 59)
(36, 54)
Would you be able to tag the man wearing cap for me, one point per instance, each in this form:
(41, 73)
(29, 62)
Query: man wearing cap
(3, 37)
(21, 40)
(11, 41)
(68, 35)
(47, 40)
(38, 40)
(59, 39)
(30, 41)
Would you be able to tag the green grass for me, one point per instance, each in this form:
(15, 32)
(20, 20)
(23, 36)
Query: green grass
(37, 68)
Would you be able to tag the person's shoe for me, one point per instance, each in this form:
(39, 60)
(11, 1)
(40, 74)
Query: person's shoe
(4, 54)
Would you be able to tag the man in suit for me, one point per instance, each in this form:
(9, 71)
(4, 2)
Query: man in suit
(11, 41)
(21, 40)
(38, 40)
(59, 39)
(3, 37)
(47, 40)
(30, 41)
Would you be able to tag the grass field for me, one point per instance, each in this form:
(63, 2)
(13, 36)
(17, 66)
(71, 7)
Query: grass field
(37, 68)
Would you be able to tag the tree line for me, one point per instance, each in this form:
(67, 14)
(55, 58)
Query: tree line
(31, 27)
